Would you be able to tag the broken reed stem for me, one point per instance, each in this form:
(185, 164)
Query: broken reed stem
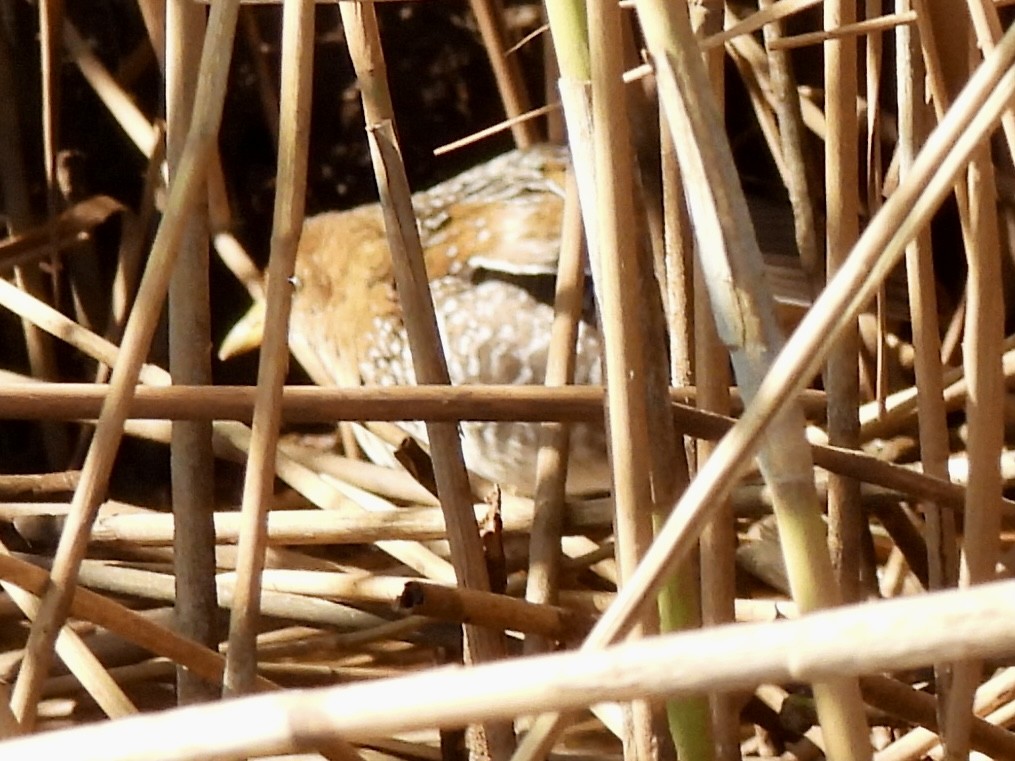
(499, 612)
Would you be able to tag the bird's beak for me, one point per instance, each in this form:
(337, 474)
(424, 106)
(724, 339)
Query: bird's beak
(246, 335)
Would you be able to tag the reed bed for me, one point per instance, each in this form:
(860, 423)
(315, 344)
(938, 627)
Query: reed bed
(806, 550)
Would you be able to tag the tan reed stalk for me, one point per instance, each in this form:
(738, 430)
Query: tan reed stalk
(322, 527)
(799, 170)
(493, 741)
(258, 485)
(946, 54)
(903, 633)
(506, 71)
(551, 460)
(137, 337)
(620, 276)
(939, 521)
(71, 401)
(874, 68)
(870, 25)
(714, 734)
(681, 605)
(192, 461)
(987, 26)
(303, 404)
(841, 374)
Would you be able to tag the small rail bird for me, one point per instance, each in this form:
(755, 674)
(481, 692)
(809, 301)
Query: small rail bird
(491, 237)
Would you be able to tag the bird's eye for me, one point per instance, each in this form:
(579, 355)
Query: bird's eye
(295, 282)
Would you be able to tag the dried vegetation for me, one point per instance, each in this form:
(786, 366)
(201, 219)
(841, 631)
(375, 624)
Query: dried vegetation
(851, 448)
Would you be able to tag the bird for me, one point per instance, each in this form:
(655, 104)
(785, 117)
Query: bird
(490, 239)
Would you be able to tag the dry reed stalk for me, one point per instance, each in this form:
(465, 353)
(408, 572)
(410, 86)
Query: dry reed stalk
(841, 373)
(869, 26)
(77, 401)
(158, 401)
(489, 16)
(192, 461)
(287, 224)
(492, 741)
(554, 441)
(350, 526)
(940, 527)
(898, 634)
(946, 56)
(987, 26)
(620, 274)
(716, 736)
